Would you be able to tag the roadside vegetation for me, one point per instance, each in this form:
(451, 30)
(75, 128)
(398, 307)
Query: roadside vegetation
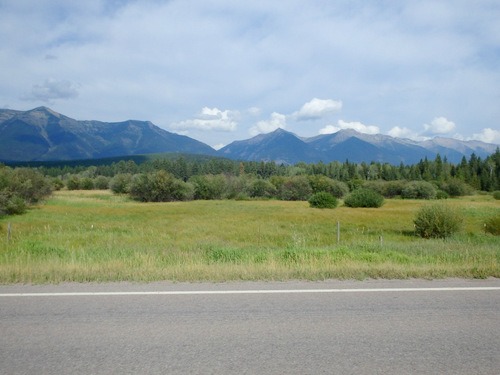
(83, 236)
(217, 219)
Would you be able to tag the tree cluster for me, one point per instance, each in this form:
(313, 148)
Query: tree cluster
(21, 187)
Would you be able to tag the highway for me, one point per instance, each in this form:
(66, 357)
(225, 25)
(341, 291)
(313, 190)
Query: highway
(332, 327)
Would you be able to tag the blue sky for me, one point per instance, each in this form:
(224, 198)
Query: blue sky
(224, 70)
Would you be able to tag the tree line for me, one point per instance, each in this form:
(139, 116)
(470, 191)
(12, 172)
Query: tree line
(180, 179)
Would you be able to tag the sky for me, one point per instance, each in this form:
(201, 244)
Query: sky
(225, 70)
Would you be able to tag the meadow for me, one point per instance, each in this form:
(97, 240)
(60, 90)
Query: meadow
(95, 236)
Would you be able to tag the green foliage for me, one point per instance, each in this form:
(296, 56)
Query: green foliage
(209, 186)
(21, 187)
(364, 198)
(73, 183)
(456, 188)
(441, 194)
(120, 183)
(296, 188)
(323, 200)
(262, 188)
(13, 205)
(58, 184)
(419, 190)
(322, 183)
(159, 187)
(355, 184)
(496, 195)
(492, 225)
(388, 189)
(101, 183)
(436, 221)
(86, 183)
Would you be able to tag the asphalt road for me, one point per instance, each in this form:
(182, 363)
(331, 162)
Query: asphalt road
(333, 327)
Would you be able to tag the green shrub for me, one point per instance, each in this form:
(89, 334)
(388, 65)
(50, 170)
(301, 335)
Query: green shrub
(419, 190)
(323, 200)
(159, 187)
(456, 188)
(296, 188)
(496, 195)
(57, 184)
(209, 186)
(492, 225)
(441, 194)
(120, 184)
(73, 183)
(436, 221)
(12, 205)
(87, 183)
(101, 183)
(322, 183)
(262, 188)
(364, 198)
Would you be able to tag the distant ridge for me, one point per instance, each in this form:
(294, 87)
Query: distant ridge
(348, 144)
(42, 134)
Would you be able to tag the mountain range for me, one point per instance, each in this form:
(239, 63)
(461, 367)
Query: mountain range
(42, 135)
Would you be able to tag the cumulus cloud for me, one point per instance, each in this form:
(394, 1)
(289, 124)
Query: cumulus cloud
(52, 89)
(398, 132)
(210, 119)
(488, 135)
(439, 125)
(276, 121)
(358, 126)
(317, 108)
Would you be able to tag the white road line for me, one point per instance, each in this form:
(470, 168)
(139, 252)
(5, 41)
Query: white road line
(263, 291)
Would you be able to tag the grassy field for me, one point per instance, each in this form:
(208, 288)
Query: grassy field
(87, 236)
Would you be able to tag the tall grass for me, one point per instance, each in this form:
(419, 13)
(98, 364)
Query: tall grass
(95, 236)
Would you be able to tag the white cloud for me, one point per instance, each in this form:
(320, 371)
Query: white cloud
(52, 89)
(329, 129)
(317, 108)
(254, 111)
(276, 121)
(210, 119)
(439, 125)
(398, 132)
(488, 135)
(218, 146)
(358, 126)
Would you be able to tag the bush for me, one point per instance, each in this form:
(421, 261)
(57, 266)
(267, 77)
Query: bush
(120, 183)
(419, 190)
(209, 186)
(87, 183)
(492, 225)
(322, 183)
(13, 205)
(388, 189)
(159, 187)
(364, 198)
(436, 221)
(57, 183)
(101, 183)
(323, 200)
(73, 183)
(496, 195)
(296, 188)
(441, 194)
(456, 188)
(262, 188)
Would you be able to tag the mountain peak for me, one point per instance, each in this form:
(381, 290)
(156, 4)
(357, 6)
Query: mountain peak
(45, 110)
